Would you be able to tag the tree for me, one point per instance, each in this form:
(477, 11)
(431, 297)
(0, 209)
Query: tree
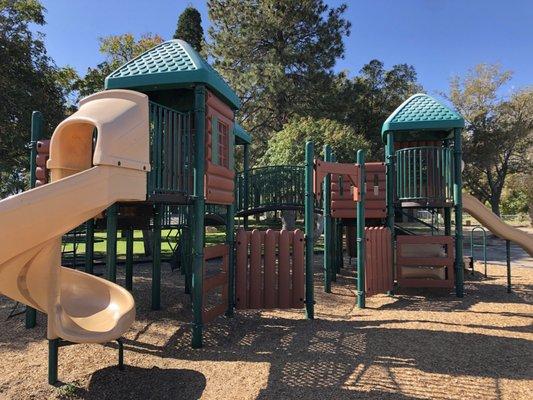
(118, 50)
(29, 81)
(190, 28)
(287, 147)
(377, 93)
(278, 56)
(498, 134)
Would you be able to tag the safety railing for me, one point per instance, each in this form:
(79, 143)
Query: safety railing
(424, 174)
(271, 186)
(171, 152)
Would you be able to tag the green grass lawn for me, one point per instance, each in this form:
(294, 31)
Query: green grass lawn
(168, 242)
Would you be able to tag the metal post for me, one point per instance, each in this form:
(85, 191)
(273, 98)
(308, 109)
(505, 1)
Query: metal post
(111, 243)
(129, 258)
(36, 134)
(53, 350)
(198, 221)
(120, 354)
(230, 241)
(246, 191)
(361, 231)
(309, 230)
(458, 202)
(156, 259)
(326, 196)
(390, 160)
(89, 246)
(508, 253)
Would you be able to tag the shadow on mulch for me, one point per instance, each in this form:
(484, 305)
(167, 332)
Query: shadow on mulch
(142, 383)
(332, 359)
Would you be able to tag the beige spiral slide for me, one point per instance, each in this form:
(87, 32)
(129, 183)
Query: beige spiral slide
(490, 220)
(81, 308)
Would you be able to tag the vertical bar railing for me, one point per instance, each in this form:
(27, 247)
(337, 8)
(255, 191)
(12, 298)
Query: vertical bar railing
(170, 142)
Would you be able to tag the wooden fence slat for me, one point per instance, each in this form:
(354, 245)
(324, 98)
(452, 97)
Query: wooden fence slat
(298, 269)
(284, 270)
(270, 276)
(241, 271)
(255, 294)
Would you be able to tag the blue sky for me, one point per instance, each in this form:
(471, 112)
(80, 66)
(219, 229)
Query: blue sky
(440, 38)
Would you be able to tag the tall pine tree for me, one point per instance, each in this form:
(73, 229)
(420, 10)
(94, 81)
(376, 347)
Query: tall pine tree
(190, 28)
(278, 56)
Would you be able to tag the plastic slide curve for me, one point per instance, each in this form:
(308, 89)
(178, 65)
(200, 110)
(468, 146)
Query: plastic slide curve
(490, 220)
(80, 308)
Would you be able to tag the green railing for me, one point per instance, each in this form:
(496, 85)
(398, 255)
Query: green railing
(424, 174)
(171, 151)
(271, 187)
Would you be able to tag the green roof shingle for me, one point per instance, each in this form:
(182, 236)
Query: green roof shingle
(422, 112)
(170, 64)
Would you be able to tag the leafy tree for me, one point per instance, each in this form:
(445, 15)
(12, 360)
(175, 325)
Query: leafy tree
(117, 49)
(377, 92)
(288, 145)
(29, 81)
(190, 28)
(498, 132)
(278, 56)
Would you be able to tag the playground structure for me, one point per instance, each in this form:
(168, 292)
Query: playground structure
(156, 149)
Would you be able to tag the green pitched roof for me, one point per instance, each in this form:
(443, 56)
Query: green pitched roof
(170, 64)
(242, 136)
(422, 112)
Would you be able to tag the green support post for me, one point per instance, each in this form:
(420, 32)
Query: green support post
(389, 162)
(246, 178)
(334, 249)
(111, 243)
(53, 353)
(326, 195)
(89, 246)
(361, 231)
(129, 258)
(199, 211)
(156, 259)
(36, 134)
(458, 203)
(230, 241)
(309, 230)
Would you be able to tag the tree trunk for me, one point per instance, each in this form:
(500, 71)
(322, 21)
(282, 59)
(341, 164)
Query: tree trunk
(288, 219)
(495, 205)
(147, 240)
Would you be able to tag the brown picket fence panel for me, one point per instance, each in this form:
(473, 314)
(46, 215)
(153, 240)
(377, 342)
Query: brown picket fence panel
(269, 269)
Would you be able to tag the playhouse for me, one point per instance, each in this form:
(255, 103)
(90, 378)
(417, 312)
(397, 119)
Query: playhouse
(156, 150)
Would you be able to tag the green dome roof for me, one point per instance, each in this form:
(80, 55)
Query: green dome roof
(170, 64)
(422, 112)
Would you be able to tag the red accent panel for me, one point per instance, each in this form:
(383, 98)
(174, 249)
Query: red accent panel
(404, 259)
(298, 270)
(343, 205)
(378, 263)
(219, 184)
(215, 281)
(259, 284)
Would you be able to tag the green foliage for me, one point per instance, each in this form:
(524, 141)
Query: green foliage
(377, 93)
(190, 28)
(288, 145)
(498, 132)
(515, 202)
(29, 81)
(117, 49)
(278, 56)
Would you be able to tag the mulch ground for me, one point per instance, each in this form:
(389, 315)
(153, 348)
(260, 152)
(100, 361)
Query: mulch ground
(414, 345)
